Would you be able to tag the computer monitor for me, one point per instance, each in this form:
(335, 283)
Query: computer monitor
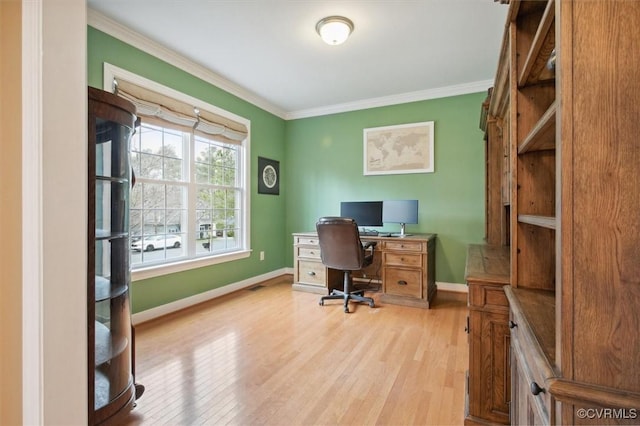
(365, 213)
(400, 211)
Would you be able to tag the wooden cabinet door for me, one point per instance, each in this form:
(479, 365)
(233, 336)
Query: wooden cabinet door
(491, 382)
(524, 410)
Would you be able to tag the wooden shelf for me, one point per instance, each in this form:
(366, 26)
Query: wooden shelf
(487, 263)
(105, 292)
(108, 346)
(105, 234)
(534, 70)
(538, 309)
(103, 288)
(101, 391)
(111, 179)
(548, 222)
(543, 135)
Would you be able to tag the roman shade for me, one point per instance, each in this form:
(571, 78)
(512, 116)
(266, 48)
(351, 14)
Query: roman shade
(161, 110)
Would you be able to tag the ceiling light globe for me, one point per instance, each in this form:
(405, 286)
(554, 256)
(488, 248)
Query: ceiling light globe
(334, 30)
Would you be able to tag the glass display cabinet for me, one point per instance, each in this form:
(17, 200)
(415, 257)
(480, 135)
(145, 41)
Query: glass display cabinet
(112, 390)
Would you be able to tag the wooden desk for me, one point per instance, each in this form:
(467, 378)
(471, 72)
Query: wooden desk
(405, 267)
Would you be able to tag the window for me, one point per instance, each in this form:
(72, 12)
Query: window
(189, 204)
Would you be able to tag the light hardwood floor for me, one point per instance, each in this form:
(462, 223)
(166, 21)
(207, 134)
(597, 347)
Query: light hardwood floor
(273, 356)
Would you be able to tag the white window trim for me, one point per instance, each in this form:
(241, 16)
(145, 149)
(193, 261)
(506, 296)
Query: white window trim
(185, 265)
(112, 72)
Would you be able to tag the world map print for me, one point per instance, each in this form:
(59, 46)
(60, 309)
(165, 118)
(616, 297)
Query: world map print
(399, 149)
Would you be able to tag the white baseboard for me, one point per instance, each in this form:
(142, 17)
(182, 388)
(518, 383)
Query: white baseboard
(454, 287)
(168, 308)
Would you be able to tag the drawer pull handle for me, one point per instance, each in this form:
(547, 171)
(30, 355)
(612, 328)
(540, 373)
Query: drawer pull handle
(512, 325)
(311, 273)
(536, 389)
(311, 252)
(402, 282)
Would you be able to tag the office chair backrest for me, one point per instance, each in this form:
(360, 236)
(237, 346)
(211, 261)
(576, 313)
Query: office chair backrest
(340, 245)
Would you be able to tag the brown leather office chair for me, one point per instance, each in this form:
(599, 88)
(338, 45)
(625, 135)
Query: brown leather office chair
(341, 249)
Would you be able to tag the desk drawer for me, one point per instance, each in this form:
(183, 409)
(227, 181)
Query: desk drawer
(403, 245)
(403, 282)
(403, 259)
(310, 241)
(311, 253)
(311, 272)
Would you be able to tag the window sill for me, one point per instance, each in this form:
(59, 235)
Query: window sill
(185, 265)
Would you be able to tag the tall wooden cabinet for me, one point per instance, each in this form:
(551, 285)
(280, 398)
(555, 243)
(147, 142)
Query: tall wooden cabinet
(571, 104)
(488, 378)
(112, 390)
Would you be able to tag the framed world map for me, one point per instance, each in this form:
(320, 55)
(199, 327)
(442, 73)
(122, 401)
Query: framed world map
(404, 148)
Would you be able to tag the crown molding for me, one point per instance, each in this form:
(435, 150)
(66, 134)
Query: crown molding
(107, 25)
(403, 98)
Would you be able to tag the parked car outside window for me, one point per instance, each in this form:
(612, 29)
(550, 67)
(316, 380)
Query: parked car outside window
(154, 242)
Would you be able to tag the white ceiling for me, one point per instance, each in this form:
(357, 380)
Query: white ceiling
(399, 50)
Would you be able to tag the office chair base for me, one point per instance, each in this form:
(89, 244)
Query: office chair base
(357, 296)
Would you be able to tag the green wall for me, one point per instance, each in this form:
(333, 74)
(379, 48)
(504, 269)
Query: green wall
(321, 165)
(267, 140)
(324, 159)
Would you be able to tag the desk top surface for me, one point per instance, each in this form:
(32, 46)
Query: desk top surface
(382, 236)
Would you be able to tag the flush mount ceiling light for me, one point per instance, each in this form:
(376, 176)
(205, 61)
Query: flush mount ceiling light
(334, 30)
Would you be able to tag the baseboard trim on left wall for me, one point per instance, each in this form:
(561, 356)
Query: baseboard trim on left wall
(169, 308)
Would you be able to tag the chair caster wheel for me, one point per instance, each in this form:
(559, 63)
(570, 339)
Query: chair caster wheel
(346, 310)
(371, 305)
(321, 303)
